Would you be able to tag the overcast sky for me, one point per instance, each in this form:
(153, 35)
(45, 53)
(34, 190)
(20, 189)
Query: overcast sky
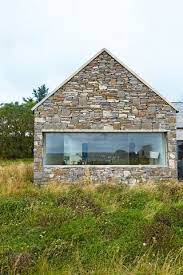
(44, 41)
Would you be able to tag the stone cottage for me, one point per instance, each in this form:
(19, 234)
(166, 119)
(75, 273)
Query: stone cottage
(104, 123)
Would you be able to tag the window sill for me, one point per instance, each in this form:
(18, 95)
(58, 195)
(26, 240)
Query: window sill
(104, 131)
(105, 166)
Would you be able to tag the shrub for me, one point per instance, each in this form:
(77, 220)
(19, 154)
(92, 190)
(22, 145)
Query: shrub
(135, 199)
(171, 191)
(14, 263)
(159, 235)
(79, 202)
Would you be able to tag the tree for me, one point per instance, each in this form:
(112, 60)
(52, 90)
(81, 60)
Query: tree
(17, 126)
(38, 94)
(28, 99)
(16, 130)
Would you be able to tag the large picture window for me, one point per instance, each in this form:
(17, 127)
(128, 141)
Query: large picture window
(104, 148)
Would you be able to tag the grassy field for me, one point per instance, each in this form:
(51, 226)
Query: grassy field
(87, 229)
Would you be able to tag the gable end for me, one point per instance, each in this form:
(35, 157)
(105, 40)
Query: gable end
(88, 62)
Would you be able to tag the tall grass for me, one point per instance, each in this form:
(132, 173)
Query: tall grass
(144, 265)
(15, 177)
(88, 229)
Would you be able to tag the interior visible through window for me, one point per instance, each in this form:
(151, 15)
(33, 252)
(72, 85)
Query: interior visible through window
(104, 148)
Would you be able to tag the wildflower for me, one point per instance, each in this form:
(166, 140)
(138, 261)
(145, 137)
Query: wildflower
(154, 240)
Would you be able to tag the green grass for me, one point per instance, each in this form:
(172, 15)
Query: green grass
(85, 230)
(15, 161)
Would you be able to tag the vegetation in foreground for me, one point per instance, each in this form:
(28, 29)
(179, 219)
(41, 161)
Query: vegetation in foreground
(87, 229)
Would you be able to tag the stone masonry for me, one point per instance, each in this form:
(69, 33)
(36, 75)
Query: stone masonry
(179, 120)
(104, 96)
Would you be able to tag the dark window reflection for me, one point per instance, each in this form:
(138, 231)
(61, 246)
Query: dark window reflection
(105, 148)
(180, 159)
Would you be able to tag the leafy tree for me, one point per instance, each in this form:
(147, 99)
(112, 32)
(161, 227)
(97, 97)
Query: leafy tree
(17, 125)
(28, 99)
(38, 94)
(16, 130)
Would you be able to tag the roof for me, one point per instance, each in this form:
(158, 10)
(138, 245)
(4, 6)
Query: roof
(85, 64)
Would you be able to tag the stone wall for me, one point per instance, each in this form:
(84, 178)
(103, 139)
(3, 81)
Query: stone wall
(179, 120)
(104, 95)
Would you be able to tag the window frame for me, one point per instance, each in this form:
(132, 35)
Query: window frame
(45, 131)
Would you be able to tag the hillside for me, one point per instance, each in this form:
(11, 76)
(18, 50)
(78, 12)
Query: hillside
(88, 229)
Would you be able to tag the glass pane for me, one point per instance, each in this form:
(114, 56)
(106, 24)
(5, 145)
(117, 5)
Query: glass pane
(146, 148)
(96, 148)
(105, 148)
(180, 149)
(180, 159)
(54, 148)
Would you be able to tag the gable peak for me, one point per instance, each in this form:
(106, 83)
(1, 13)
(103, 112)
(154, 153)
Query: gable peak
(88, 62)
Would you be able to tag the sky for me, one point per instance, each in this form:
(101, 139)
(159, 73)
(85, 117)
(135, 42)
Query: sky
(45, 41)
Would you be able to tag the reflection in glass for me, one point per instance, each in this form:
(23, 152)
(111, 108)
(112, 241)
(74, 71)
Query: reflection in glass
(104, 148)
(180, 159)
